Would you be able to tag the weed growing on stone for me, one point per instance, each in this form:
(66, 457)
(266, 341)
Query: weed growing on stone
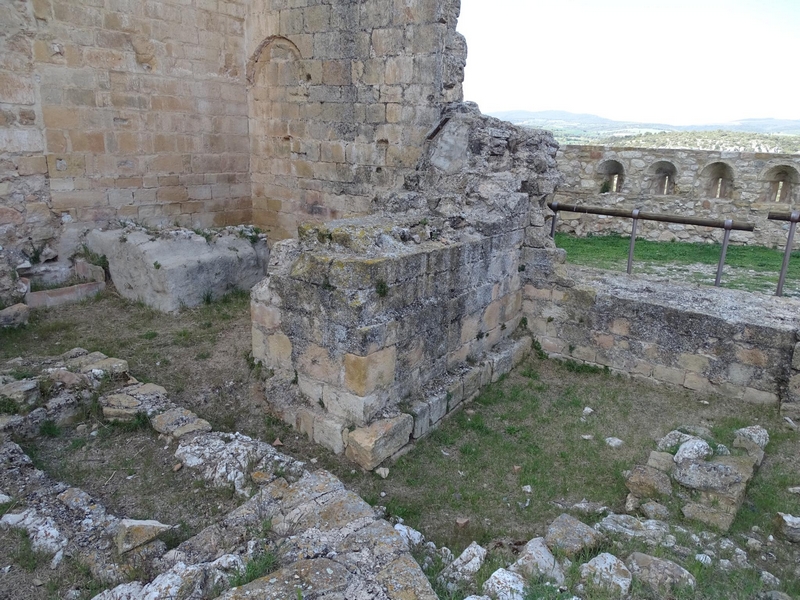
(8, 406)
(49, 429)
(262, 564)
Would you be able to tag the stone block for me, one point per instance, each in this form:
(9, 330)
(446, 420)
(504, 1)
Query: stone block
(438, 408)
(304, 422)
(328, 433)
(421, 411)
(697, 383)
(350, 407)
(696, 363)
(669, 375)
(755, 396)
(370, 446)
(365, 374)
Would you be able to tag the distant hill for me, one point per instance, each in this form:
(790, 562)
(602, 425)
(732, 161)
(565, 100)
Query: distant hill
(760, 135)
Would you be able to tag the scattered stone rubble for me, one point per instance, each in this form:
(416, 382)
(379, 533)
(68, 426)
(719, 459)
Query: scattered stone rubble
(327, 539)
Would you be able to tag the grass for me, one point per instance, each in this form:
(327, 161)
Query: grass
(260, 565)
(751, 268)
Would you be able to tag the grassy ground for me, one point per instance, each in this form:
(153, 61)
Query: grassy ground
(465, 469)
(746, 267)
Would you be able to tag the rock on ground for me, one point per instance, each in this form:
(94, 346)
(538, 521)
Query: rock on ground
(536, 560)
(505, 585)
(571, 536)
(466, 565)
(607, 571)
(788, 526)
(659, 573)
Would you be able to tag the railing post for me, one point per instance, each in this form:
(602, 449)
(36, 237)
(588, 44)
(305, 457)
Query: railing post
(554, 208)
(725, 240)
(635, 216)
(788, 252)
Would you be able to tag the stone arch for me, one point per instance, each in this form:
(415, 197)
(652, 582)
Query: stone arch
(782, 183)
(273, 48)
(716, 180)
(662, 176)
(612, 175)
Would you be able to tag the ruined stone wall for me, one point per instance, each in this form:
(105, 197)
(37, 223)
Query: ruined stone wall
(342, 96)
(121, 109)
(711, 340)
(749, 190)
(388, 322)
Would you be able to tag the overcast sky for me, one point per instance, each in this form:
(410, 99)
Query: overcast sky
(679, 62)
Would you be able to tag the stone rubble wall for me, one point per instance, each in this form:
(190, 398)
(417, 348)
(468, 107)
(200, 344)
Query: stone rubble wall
(749, 196)
(411, 311)
(121, 110)
(710, 340)
(341, 98)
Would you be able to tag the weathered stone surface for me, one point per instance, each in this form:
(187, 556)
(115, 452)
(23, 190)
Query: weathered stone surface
(178, 422)
(663, 461)
(23, 391)
(651, 531)
(788, 526)
(607, 571)
(15, 315)
(42, 530)
(536, 560)
(654, 510)
(570, 536)
(466, 566)
(659, 573)
(370, 446)
(648, 482)
(695, 449)
(120, 407)
(168, 273)
(505, 585)
(132, 533)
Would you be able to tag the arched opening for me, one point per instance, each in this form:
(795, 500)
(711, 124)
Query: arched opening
(662, 178)
(782, 184)
(612, 176)
(717, 180)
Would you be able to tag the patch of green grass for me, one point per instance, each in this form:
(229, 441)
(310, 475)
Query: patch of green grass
(261, 565)
(611, 252)
(141, 422)
(18, 373)
(8, 406)
(49, 429)
(149, 335)
(203, 355)
(24, 554)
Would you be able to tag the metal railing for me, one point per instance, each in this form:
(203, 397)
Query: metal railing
(793, 218)
(727, 224)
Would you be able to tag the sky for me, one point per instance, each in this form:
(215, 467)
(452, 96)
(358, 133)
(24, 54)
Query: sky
(681, 62)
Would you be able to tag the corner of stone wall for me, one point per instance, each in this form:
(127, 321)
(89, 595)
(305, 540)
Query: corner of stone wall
(790, 401)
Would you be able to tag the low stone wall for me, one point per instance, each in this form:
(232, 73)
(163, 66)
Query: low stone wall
(711, 340)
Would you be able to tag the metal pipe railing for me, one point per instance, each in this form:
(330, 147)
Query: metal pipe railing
(727, 224)
(793, 218)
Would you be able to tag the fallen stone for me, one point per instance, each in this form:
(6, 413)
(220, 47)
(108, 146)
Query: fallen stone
(769, 580)
(788, 526)
(614, 442)
(168, 273)
(607, 571)
(107, 367)
(536, 560)
(654, 510)
(663, 461)
(132, 533)
(67, 378)
(382, 472)
(411, 536)
(571, 536)
(647, 482)
(720, 517)
(466, 566)
(15, 316)
(23, 392)
(651, 531)
(659, 573)
(505, 585)
(370, 446)
(694, 449)
(120, 407)
(178, 422)
(43, 532)
(756, 434)
(673, 440)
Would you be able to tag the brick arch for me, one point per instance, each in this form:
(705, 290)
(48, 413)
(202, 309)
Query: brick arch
(611, 175)
(662, 175)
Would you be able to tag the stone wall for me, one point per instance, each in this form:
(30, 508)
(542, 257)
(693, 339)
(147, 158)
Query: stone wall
(710, 340)
(342, 96)
(122, 110)
(691, 179)
(389, 322)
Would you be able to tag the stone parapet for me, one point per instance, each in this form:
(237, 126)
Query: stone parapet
(743, 186)
(710, 340)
